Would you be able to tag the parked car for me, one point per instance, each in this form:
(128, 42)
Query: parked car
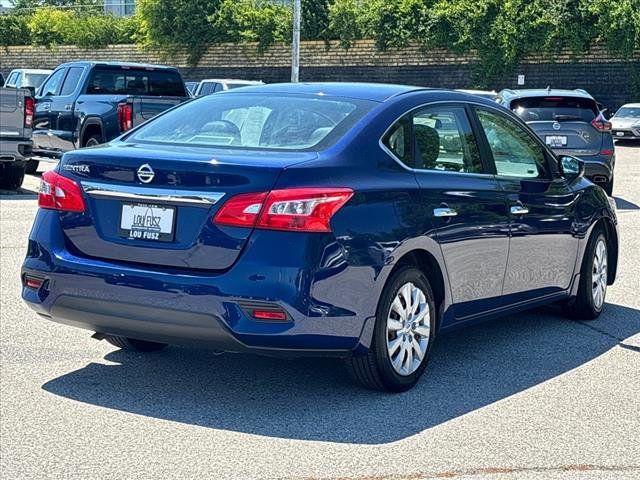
(16, 120)
(27, 78)
(83, 104)
(490, 94)
(191, 87)
(570, 122)
(318, 219)
(625, 123)
(213, 85)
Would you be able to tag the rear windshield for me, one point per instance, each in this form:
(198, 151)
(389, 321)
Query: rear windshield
(555, 108)
(628, 112)
(133, 81)
(255, 121)
(34, 79)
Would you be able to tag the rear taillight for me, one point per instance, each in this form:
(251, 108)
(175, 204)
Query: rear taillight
(600, 124)
(293, 209)
(607, 152)
(125, 116)
(29, 110)
(60, 193)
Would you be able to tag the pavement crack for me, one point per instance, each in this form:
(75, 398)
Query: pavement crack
(603, 332)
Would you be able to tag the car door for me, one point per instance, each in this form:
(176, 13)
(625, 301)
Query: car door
(543, 249)
(42, 121)
(463, 201)
(62, 116)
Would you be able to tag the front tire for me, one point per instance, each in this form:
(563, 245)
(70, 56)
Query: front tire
(402, 337)
(133, 344)
(31, 166)
(592, 290)
(11, 175)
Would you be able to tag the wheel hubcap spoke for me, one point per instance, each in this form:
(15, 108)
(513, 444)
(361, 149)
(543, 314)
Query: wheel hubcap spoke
(599, 274)
(408, 329)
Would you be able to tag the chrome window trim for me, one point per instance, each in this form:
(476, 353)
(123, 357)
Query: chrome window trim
(461, 102)
(415, 170)
(164, 195)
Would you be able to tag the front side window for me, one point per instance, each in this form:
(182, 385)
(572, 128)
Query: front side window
(444, 140)
(259, 121)
(515, 152)
(52, 85)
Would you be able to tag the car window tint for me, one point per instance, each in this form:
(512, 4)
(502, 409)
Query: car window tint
(515, 152)
(443, 140)
(131, 81)
(71, 80)
(398, 140)
(264, 121)
(52, 85)
(555, 108)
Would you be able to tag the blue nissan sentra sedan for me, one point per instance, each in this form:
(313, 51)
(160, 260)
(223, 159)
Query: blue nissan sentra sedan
(355, 220)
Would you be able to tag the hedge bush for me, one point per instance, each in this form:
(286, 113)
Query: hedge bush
(14, 30)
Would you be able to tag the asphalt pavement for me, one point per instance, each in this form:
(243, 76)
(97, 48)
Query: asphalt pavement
(532, 396)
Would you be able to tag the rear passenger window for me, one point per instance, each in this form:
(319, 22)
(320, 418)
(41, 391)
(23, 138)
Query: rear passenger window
(71, 81)
(398, 141)
(443, 140)
(515, 153)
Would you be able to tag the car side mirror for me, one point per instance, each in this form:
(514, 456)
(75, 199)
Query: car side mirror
(572, 167)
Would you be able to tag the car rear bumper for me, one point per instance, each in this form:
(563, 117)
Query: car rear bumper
(599, 171)
(183, 307)
(15, 150)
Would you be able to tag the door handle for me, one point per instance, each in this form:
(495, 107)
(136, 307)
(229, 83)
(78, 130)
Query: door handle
(519, 210)
(444, 212)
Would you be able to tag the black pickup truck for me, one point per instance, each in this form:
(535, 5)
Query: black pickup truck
(83, 104)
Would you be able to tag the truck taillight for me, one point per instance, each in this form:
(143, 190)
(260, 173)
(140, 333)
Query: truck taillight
(60, 193)
(29, 111)
(291, 209)
(125, 116)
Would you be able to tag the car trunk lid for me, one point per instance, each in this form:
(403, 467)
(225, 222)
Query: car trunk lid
(135, 191)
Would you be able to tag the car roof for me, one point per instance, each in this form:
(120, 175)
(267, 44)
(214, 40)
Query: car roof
(232, 80)
(377, 92)
(510, 94)
(631, 105)
(31, 70)
(85, 63)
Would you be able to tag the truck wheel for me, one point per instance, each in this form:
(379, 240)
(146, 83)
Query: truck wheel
(32, 166)
(402, 336)
(134, 344)
(93, 140)
(11, 175)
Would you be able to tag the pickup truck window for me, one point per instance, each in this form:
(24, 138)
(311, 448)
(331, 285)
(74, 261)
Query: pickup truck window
(52, 85)
(71, 80)
(130, 81)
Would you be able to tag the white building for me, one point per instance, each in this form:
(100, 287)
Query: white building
(120, 8)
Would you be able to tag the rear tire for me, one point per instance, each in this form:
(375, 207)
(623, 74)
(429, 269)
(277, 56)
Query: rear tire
(31, 166)
(133, 344)
(93, 140)
(608, 188)
(592, 290)
(403, 335)
(11, 175)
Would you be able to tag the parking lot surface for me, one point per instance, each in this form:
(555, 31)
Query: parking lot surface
(533, 396)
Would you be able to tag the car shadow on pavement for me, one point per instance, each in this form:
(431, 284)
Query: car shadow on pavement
(622, 204)
(19, 194)
(313, 399)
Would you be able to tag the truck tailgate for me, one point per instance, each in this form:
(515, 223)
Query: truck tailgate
(147, 107)
(12, 112)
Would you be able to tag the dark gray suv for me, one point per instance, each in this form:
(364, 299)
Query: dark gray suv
(570, 123)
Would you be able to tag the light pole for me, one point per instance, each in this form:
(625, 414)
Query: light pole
(295, 47)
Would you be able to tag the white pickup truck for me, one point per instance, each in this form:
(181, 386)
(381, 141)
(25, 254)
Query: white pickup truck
(17, 110)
